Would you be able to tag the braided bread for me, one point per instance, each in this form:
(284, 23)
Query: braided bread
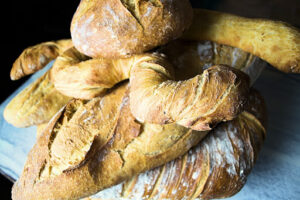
(36, 57)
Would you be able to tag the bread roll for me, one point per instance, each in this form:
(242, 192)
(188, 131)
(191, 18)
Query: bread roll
(118, 28)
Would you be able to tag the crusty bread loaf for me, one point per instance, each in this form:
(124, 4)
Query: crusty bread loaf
(276, 42)
(36, 57)
(117, 28)
(75, 74)
(36, 104)
(90, 146)
(218, 94)
(183, 55)
(216, 168)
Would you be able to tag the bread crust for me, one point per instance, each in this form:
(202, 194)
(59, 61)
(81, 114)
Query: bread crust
(85, 148)
(218, 94)
(37, 57)
(276, 42)
(118, 28)
(216, 168)
(190, 58)
(36, 104)
(199, 103)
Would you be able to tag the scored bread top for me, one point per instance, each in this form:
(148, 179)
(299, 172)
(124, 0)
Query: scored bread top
(216, 168)
(90, 146)
(118, 28)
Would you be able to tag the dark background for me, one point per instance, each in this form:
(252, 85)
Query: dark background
(26, 23)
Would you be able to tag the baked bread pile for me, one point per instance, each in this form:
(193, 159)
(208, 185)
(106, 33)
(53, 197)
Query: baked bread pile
(147, 102)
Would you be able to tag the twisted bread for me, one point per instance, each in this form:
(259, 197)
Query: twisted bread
(117, 28)
(190, 58)
(216, 168)
(182, 54)
(198, 103)
(218, 94)
(276, 42)
(36, 57)
(35, 105)
(90, 146)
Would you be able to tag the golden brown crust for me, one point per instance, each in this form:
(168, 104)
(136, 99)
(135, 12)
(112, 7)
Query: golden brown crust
(40, 129)
(216, 168)
(117, 28)
(76, 75)
(199, 103)
(38, 56)
(190, 58)
(275, 42)
(218, 94)
(90, 146)
(36, 104)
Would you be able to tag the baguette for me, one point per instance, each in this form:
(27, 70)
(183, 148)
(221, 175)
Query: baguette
(35, 105)
(218, 94)
(276, 42)
(37, 57)
(216, 168)
(90, 146)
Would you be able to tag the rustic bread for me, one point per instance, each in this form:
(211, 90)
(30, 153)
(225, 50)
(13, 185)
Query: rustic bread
(38, 56)
(216, 168)
(90, 146)
(117, 28)
(276, 42)
(188, 58)
(218, 94)
(77, 75)
(36, 104)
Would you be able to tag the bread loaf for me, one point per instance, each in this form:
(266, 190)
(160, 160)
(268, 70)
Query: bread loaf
(276, 42)
(216, 168)
(117, 28)
(90, 146)
(36, 104)
(184, 55)
(218, 94)
(36, 57)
